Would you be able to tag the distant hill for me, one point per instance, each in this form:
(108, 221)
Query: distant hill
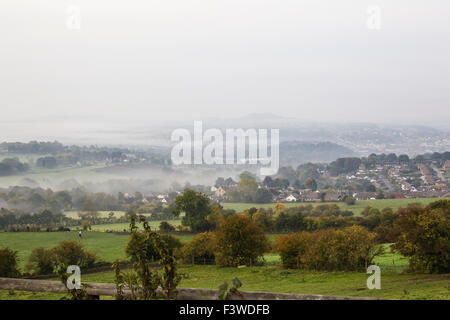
(296, 152)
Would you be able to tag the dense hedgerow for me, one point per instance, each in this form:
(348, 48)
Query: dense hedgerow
(351, 249)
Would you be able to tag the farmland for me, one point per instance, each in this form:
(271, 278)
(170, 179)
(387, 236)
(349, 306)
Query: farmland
(272, 277)
(108, 246)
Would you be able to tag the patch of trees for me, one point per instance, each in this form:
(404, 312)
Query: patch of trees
(12, 166)
(33, 147)
(16, 220)
(48, 162)
(37, 199)
(344, 165)
(248, 191)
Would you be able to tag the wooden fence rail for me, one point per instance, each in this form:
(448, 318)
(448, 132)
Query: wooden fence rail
(95, 290)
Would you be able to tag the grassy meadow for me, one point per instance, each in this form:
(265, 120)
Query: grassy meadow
(108, 246)
(395, 284)
(272, 277)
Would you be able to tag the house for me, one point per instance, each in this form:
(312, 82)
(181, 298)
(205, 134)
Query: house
(333, 196)
(220, 192)
(309, 196)
(364, 195)
(291, 198)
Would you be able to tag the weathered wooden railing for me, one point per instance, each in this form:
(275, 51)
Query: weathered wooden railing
(95, 290)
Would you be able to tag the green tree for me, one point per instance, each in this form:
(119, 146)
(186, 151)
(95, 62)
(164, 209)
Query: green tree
(240, 242)
(85, 224)
(247, 189)
(310, 183)
(196, 207)
(8, 263)
(423, 235)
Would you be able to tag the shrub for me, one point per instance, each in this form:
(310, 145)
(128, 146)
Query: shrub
(292, 248)
(240, 242)
(85, 224)
(8, 263)
(72, 253)
(164, 226)
(350, 249)
(349, 200)
(423, 235)
(139, 242)
(41, 261)
(200, 249)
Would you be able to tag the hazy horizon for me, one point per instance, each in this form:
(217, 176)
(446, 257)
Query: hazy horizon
(156, 63)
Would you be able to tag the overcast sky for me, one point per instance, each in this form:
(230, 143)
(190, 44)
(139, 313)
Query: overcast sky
(158, 60)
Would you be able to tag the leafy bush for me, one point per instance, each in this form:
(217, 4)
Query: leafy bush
(8, 263)
(72, 253)
(140, 242)
(423, 235)
(200, 249)
(41, 261)
(292, 248)
(349, 200)
(240, 242)
(164, 226)
(350, 249)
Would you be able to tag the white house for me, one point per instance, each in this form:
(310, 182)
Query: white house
(291, 198)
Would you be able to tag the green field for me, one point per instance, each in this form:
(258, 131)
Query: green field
(356, 208)
(108, 246)
(271, 277)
